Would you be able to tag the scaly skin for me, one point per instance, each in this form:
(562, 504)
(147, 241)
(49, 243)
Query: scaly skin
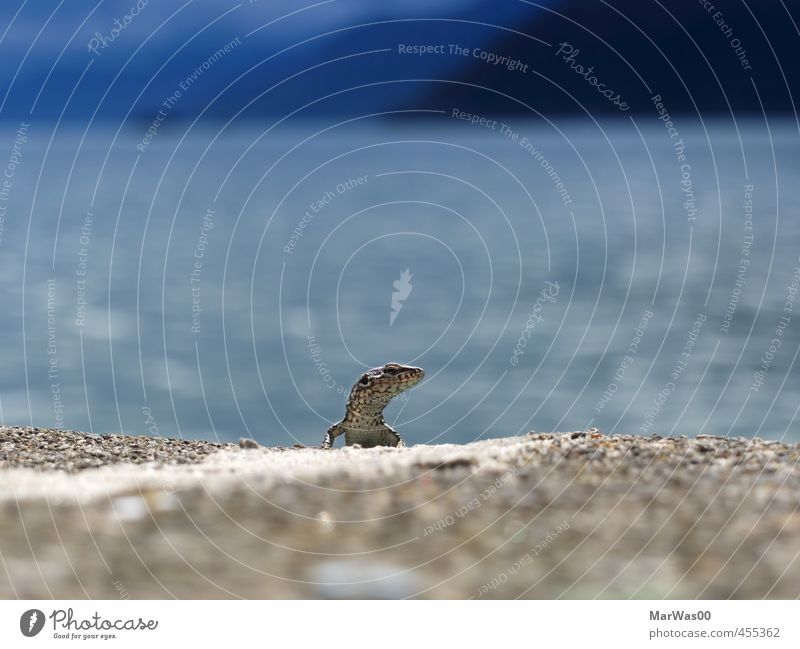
(363, 421)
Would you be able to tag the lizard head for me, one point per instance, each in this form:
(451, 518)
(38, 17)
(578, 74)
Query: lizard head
(380, 384)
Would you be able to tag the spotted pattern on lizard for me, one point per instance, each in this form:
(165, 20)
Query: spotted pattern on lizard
(363, 421)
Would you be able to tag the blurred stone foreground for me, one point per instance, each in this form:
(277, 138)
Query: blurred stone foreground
(574, 515)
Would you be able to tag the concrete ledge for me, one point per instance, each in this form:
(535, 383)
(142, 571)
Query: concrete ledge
(538, 515)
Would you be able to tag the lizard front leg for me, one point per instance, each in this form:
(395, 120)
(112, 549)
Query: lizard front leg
(392, 433)
(331, 434)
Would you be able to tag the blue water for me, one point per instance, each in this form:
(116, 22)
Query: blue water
(638, 272)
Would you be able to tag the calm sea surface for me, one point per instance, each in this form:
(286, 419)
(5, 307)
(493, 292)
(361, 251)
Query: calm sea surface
(226, 282)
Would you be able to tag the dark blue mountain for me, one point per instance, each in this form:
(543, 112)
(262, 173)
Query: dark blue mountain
(108, 60)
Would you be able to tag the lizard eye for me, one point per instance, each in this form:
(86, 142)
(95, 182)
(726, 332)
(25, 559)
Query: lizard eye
(364, 380)
(390, 370)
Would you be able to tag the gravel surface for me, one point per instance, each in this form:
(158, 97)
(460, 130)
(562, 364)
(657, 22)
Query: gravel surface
(572, 515)
(46, 448)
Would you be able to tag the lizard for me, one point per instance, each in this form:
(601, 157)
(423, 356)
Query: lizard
(363, 422)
